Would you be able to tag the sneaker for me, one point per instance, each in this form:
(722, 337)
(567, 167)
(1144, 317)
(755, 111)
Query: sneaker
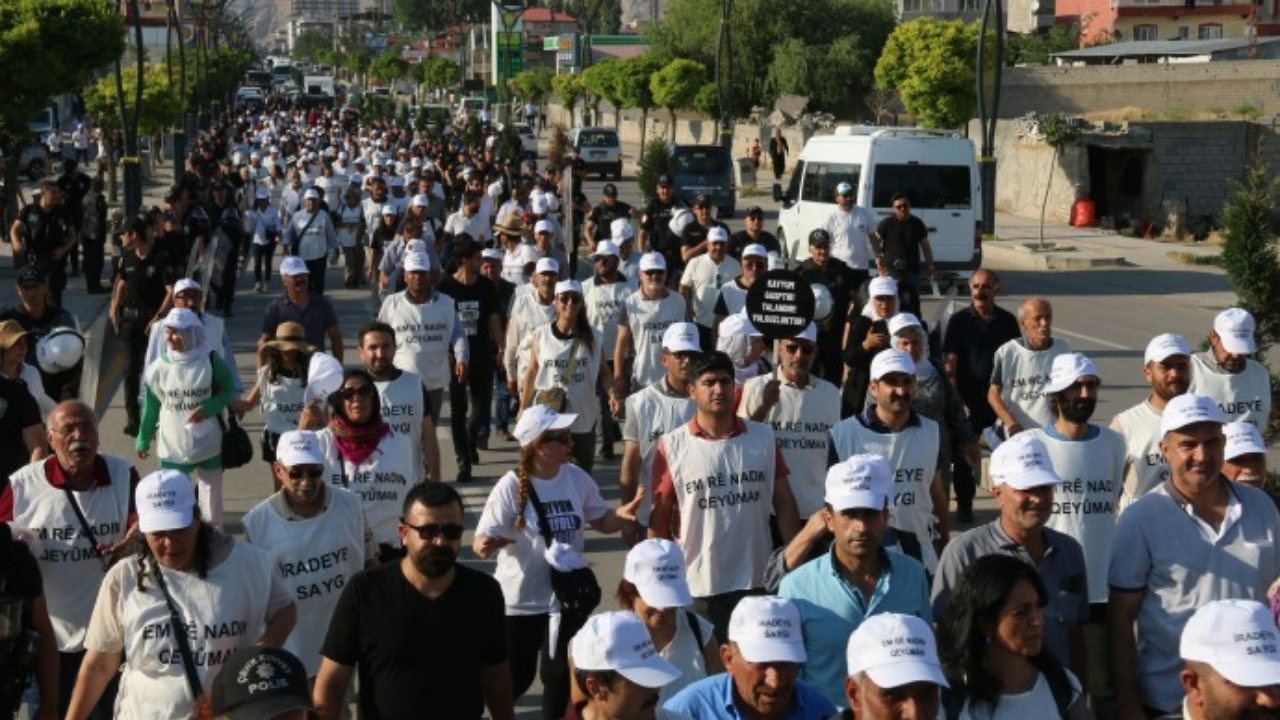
(482, 442)
(606, 452)
(131, 428)
(464, 475)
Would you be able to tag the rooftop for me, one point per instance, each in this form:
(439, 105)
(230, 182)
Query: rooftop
(1161, 48)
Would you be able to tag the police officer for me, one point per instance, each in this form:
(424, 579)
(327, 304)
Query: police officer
(142, 295)
(655, 235)
(44, 236)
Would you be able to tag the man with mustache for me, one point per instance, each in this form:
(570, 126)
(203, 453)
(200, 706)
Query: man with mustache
(1090, 460)
(1231, 662)
(425, 634)
(75, 511)
(1167, 367)
(1226, 373)
(1022, 367)
(1245, 458)
(316, 535)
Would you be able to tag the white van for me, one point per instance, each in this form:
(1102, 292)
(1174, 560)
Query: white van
(937, 170)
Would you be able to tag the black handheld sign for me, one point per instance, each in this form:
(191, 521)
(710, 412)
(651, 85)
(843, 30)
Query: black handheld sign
(780, 304)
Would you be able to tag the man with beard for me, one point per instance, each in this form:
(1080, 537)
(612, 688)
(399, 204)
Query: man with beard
(1196, 538)
(1239, 384)
(1021, 370)
(74, 511)
(1167, 367)
(451, 660)
(1023, 482)
(317, 536)
(404, 398)
(1231, 667)
(1090, 460)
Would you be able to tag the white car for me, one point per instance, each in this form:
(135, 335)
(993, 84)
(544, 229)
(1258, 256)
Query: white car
(528, 141)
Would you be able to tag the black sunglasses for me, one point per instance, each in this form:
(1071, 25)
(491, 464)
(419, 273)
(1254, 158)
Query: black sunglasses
(300, 473)
(431, 531)
(794, 348)
(556, 437)
(348, 393)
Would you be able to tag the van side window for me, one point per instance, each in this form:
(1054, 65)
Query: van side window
(793, 190)
(929, 187)
(821, 179)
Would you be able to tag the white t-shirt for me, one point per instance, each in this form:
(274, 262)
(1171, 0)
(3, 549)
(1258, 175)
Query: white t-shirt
(705, 278)
(423, 335)
(604, 307)
(1085, 506)
(1145, 466)
(648, 320)
(515, 260)
(801, 420)
(381, 481)
(578, 382)
(476, 226)
(571, 500)
(403, 409)
(1244, 396)
(314, 557)
(849, 236)
(1035, 703)
(1021, 374)
(280, 401)
(912, 453)
(349, 224)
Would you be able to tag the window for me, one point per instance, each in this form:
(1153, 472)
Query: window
(1210, 31)
(598, 138)
(912, 6)
(970, 6)
(937, 6)
(821, 179)
(1145, 32)
(929, 187)
(701, 161)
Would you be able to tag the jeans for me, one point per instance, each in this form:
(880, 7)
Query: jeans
(262, 257)
(475, 395)
(501, 401)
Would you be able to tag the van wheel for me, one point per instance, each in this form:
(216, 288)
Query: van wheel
(617, 174)
(35, 170)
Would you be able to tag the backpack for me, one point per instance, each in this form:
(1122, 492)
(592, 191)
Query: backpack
(953, 698)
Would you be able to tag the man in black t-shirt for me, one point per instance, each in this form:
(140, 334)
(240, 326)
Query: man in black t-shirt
(43, 236)
(900, 241)
(600, 221)
(844, 283)
(754, 234)
(38, 317)
(73, 185)
(22, 437)
(655, 231)
(478, 314)
(426, 635)
(693, 241)
(505, 291)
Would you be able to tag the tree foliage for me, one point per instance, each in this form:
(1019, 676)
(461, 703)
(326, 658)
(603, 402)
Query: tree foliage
(603, 17)
(225, 69)
(437, 14)
(655, 160)
(601, 80)
(1249, 252)
(930, 63)
(634, 93)
(161, 102)
(1037, 48)
(676, 85)
(568, 89)
(312, 46)
(826, 48)
(707, 101)
(534, 84)
(388, 67)
(438, 73)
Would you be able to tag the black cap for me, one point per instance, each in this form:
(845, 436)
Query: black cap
(664, 179)
(702, 201)
(31, 275)
(755, 210)
(711, 362)
(819, 237)
(610, 190)
(260, 683)
(137, 224)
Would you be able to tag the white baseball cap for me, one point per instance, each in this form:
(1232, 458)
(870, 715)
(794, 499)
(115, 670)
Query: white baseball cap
(186, 284)
(861, 481)
(388, 210)
(651, 261)
(767, 629)
(494, 190)
(1235, 327)
(542, 226)
(165, 501)
(568, 286)
(656, 567)
(844, 188)
(1242, 439)
(1237, 638)
(681, 337)
(182, 318)
(417, 262)
(421, 200)
(895, 650)
(810, 333)
(311, 194)
(892, 360)
(1162, 347)
(416, 245)
(755, 250)
(604, 249)
(1068, 368)
(547, 265)
(903, 321)
(299, 447)
(621, 231)
(1189, 409)
(294, 265)
(491, 254)
(537, 419)
(718, 234)
(619, 641)
(1022, 462)
(882, 286)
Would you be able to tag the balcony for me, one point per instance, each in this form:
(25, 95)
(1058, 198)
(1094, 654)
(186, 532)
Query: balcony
(1177, 8)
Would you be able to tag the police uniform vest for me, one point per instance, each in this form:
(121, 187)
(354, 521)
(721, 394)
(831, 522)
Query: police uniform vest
(1244, 396)
(281, 402)
(648, 320)
(403, 408)
(381, 481)
(315, 558)
(423, 335)
(577, 375)
(181, 388)
(70, 566)
(224, 612)
(724, 496)
(912, 453)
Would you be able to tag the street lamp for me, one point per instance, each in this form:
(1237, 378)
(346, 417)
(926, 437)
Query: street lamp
(989, 110)
(724, 73)
(129, 122)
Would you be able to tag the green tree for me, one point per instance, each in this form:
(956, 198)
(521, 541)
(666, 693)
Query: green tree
(225, 69)
(930, 63)
(388, 67)
(568, 89)
(161, 102)
(675, 86)
(438, 73)
(602, 80)
(47, 48)
(707, 101)
(655, 160)
(1036, 48)
(533, 85)
(312, 46)
(1058, 132)
(633, 89)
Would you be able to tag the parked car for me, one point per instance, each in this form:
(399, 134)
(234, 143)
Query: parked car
(528, 141)
(705, 170)
(249, 98)
(599, 150)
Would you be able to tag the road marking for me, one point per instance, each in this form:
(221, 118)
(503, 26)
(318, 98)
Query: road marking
(1090, 338)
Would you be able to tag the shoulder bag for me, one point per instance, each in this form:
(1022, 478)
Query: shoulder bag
(237, 448)
(179, 629)
(577, 590)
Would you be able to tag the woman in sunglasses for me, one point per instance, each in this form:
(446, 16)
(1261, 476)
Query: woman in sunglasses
(546, 495)
(315, 534)
(363, 454)
(567, 354)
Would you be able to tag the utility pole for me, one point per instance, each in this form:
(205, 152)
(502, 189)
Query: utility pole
(989, 110)
(724, 74)
(129, 121)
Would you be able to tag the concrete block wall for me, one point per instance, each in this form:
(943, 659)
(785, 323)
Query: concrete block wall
(1197, 161)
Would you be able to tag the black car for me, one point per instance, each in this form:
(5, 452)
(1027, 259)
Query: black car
(705, 170)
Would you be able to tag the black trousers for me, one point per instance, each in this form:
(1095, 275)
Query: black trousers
(133, 341)
(225, 291)
(68, 670)
(528, 647)
(316, 269)
(474, 396)
(964, 485)
(94, 261)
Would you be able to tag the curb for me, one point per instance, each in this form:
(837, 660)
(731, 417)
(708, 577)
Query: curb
(1020, 256)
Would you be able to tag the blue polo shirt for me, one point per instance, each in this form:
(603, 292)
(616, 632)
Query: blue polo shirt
(831, 608)
(712, 699)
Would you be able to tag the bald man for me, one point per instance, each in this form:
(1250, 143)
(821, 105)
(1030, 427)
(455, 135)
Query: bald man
(1021, 370)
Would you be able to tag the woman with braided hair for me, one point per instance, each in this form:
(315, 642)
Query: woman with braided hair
(546, 496)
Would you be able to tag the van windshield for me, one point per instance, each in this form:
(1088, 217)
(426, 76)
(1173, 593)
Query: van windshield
(821, 179)
(702, 162)
(597, 139)
(929, 187)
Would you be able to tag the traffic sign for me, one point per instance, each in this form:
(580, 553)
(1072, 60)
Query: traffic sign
(780, 304)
